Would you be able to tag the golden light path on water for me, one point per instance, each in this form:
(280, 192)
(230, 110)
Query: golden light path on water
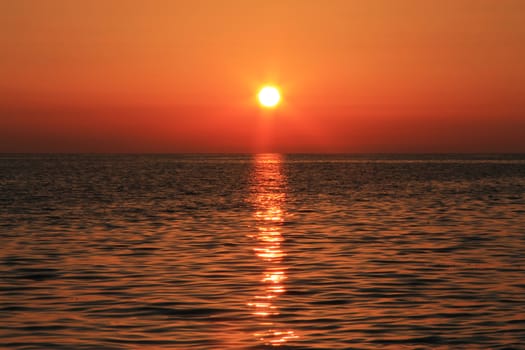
(269, 191)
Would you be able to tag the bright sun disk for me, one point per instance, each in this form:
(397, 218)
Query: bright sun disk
(269, 96)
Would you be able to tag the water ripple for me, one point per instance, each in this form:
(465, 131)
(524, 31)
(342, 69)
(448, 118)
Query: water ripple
(242, 252)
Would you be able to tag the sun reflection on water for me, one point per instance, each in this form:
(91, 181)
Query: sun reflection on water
(269, 194)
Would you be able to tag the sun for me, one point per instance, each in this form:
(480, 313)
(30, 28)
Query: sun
(269, 96)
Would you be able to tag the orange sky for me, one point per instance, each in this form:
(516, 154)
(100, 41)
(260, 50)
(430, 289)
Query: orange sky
(181, 76)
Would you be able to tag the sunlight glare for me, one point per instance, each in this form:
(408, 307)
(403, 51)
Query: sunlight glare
(269, 96)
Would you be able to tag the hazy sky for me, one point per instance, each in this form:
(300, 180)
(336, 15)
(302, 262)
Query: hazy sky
(181, 76)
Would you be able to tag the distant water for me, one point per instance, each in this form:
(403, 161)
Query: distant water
(250, 252)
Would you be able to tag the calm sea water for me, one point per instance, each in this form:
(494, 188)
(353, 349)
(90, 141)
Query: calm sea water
(250, 252)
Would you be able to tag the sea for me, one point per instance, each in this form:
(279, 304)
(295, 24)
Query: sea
(262, 251)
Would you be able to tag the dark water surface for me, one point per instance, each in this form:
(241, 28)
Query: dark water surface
(248, 252)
